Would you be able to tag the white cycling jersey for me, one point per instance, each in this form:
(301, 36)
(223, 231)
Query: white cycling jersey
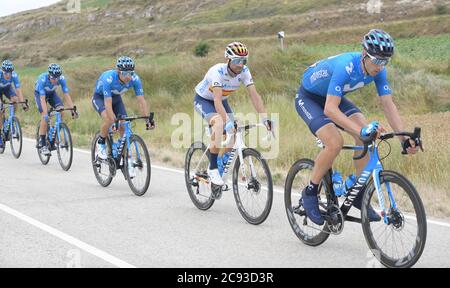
(218, 76)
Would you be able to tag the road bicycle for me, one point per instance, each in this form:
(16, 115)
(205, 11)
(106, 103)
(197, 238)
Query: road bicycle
(11, 130)
(396, 241)
(129, 154)
(58, 138)
(251, 180)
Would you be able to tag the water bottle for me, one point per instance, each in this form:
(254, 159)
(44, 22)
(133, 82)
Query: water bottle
(226, 157)
(350, 181)
(338, 184)
(220, 164)
(229, 160)
(114, 149)
(120, 144)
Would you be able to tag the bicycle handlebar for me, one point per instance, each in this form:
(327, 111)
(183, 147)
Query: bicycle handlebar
(125, 118)
(368, 140)
(15, 103)
(74, 109)
(245, 128)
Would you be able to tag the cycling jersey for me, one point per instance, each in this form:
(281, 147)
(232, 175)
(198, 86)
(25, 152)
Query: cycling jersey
(7, 83)
(341, 74)
(52, 98)
(109, 85)
(218, 76)
(45, 88)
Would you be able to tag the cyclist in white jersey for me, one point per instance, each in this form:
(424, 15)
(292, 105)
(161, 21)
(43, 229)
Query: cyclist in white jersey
(211, 99)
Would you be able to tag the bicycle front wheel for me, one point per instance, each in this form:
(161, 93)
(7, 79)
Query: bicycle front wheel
(64, 147)
(252, 187)
(399, 243)
(44, 158)
(16, 138)
(137, 166)
(104, 170)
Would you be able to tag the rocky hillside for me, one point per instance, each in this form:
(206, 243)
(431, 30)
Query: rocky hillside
(162, 27)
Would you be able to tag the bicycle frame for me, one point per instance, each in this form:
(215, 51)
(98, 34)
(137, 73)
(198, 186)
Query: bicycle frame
(239, 146)
(127, 135)
(57, 126)
(7, 121)
(372, 169)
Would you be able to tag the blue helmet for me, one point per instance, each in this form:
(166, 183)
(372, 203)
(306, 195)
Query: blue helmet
(378, 44)
(125, 63)
(54, 70)
(7, 66)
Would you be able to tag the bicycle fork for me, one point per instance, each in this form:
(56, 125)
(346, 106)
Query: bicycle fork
(376, 180)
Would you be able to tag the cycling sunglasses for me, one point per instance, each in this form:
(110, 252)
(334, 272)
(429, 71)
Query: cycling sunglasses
(240, 60)
(53, 78)
(378, 61)
(127, 73)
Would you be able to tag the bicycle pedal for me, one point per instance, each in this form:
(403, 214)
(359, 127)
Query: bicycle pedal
(216, 191)
(299, 211)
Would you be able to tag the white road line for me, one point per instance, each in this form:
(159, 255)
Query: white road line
(179, 171)
(69, 239)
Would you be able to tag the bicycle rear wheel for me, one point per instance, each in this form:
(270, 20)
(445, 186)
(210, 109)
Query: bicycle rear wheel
(44, 158)
(104, 170)
(16, 138)
(2, 149)
(139, 173)
(298, 178)
(252, 187)
(196, 176)
(400, 242)
(64, 147)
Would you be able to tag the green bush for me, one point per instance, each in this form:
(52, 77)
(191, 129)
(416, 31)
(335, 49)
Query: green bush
(201, 49)
(441, 9)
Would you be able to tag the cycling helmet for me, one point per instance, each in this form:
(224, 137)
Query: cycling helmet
(54, 70)
(7, 66)
(125, 63)
(378, 43)
(236, 50)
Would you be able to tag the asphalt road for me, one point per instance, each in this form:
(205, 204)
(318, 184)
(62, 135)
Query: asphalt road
(52, 218)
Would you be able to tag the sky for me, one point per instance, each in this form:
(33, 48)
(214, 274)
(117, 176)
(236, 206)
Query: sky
(8, 7)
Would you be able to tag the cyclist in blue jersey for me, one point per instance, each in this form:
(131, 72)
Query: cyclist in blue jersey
(8, 78)
(45, 91)
(107, 99)
(321, 103)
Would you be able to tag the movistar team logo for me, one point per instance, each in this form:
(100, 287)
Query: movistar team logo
(348, 88)
(349, 68)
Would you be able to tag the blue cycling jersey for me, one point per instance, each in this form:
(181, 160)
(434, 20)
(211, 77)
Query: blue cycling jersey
(109, 85)
(341, 74)
(45, 87)
(6, 83)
